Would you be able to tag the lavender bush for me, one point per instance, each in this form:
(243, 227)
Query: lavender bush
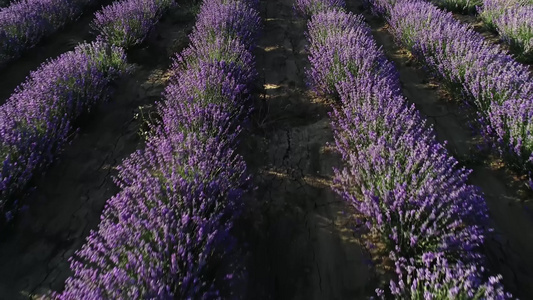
(407, 186)
(332, 22)
(164, 235)
(407, 190)
(126, 23)
(493, 9)
(26, 22)
(197, 99)
(228, 50)
(36, 120)
(167, 234)
(515, 27)
(334, 53)
(442, 281)
(501, 88)
(227, 19)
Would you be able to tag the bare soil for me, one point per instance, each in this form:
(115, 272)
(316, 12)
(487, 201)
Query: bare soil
(67, 201)
(302, 246)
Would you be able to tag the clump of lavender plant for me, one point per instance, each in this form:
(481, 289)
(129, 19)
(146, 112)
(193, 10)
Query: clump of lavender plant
(406, 185)
(515, 27)
(227, 19)
(493, 9)
(164, 235)
(126, 23)
(334, 50)
(207, 88)
(231, 52)
(439, 280)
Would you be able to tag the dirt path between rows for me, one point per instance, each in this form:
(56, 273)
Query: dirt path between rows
(69, 198)
(302, 247)
(509, 249)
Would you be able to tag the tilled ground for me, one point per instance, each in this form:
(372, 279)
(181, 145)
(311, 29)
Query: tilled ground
(302, 247)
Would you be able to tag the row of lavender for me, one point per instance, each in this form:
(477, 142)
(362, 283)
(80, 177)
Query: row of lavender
(127, 23)
(123, 23)
(408, 191)
(37, 120)
(481, 72)
(513, 21)
(26, 22)
(167, 234)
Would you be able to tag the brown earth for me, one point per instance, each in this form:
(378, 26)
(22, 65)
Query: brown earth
(302, 247)
(68, 200)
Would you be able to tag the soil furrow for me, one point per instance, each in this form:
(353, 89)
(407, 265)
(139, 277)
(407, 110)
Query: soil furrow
(300, 248)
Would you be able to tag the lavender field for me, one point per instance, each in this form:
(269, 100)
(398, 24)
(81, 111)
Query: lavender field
(254, 149)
